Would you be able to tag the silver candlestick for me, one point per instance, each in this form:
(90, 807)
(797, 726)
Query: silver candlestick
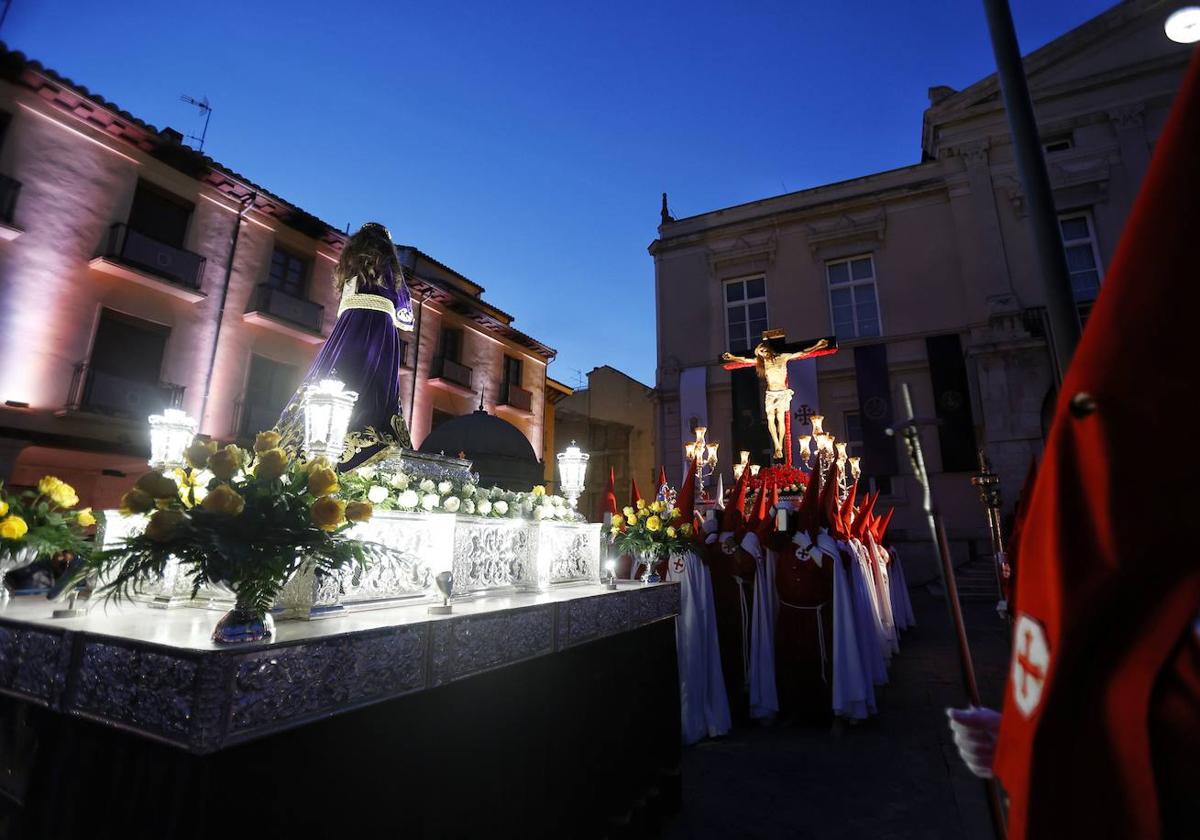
(445, 583)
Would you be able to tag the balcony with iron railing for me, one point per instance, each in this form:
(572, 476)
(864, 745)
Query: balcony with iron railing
(277, 310)
(515, 400)
(10, 190)
(106, 392)
(132, 255)
(451, 376)
(251, 416)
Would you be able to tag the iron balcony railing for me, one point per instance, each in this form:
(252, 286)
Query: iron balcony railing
(107, 392)
(516, 397)
(250, 417)
(279, 304)
(137, 250)
(451, 371)
(10, 189)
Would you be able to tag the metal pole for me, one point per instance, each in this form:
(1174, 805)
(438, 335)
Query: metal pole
(1031, 166)
(937, 531)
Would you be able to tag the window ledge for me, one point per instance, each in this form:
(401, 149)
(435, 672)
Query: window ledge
(451, 386)
(514, 411)
(151, 281)
(279, 326)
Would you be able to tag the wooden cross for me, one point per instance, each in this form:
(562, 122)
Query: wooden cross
(810, 349)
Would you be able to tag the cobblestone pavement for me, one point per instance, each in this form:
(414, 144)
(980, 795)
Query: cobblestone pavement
(895, 776)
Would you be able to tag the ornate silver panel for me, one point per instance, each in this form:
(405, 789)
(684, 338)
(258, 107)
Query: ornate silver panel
(492, 554)
(173, 589)
(482, 642)
(30, 663)
(421, 544)
(143, 688)
(567, 552)
(299, 682)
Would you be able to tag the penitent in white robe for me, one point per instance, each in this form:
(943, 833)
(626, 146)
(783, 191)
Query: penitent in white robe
(883, 594)
(853, 689)
(704, 705)
(764, 693)
(901, 604)
(866, 617)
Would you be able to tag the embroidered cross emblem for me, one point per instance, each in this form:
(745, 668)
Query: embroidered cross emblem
(1031, 663)
(677, 564)
(805, 414)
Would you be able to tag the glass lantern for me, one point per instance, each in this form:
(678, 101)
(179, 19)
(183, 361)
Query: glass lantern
(572, 468)
(327, 407)
(170, 434)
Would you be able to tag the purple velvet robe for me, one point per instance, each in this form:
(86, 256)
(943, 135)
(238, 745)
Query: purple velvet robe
(363, 351)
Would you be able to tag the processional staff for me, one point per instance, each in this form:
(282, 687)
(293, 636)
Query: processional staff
(909, 429)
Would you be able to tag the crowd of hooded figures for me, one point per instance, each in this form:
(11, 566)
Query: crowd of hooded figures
(795, 614)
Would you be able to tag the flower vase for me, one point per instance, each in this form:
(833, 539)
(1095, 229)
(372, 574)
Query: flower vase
(244, 623)
(649, 560)
(12, 560)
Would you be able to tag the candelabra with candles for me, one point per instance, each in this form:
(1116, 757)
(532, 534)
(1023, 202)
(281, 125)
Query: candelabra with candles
(705, 456)
(170, 434)
(740, 466)
(327, 407)
(572, 470)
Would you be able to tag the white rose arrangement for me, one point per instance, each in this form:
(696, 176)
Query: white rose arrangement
(468, 507)
(468, 490)
(444, 487)
(377, 494)
(429, 501)
(400, 481)
(500, 507)
(427, 486)
(451, 504)
(408, 499)
(484, 507)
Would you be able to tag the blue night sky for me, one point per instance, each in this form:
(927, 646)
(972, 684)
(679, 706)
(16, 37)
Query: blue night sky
(526, 144)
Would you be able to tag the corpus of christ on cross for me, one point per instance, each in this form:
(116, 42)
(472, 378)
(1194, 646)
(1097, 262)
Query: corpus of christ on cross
(771, 358)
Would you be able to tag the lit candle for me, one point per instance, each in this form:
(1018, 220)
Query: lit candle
(841, 451)
(817, 421)
(744, 457)
(854, 468)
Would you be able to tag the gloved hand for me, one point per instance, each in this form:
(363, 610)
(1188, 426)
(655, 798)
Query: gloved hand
(975, 730)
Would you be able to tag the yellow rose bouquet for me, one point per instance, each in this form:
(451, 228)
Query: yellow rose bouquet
(40, 521)
(647, 532)
(258, 516)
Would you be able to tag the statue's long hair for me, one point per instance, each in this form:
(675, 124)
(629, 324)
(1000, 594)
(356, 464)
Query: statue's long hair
(371, 256)
(760, 361)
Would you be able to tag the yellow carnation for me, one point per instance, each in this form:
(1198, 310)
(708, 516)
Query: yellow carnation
(359, 511)
(3, 507)
(641, 504)
(670, 532)
(618, 520)
(266, 441)
(686, 529)
(614, 530)
(197, 454)
(85, 519)
(223, 500)
(653, 523)
(657, 506)
(163, 525)
(628, 511)
(540, 490)
(136, 501)
(272, 463)
(157, 486)
(316, 464)
(47, 484)
(632, 519)
(13, 528)
(225, 463)
(328, 513)
(322, 481)
(64, 496)
(675, 513)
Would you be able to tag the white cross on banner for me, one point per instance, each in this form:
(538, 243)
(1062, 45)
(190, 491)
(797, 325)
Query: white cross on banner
(802, 379)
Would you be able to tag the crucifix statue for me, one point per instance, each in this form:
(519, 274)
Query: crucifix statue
(771, 358)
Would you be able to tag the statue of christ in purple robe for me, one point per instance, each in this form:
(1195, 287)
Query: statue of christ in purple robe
(363, 351)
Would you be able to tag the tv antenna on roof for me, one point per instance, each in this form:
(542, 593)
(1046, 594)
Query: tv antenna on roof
(206, 111)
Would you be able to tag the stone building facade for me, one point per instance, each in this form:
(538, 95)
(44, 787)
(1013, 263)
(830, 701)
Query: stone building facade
(926, 274)
(612, 419)
(122, 250)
